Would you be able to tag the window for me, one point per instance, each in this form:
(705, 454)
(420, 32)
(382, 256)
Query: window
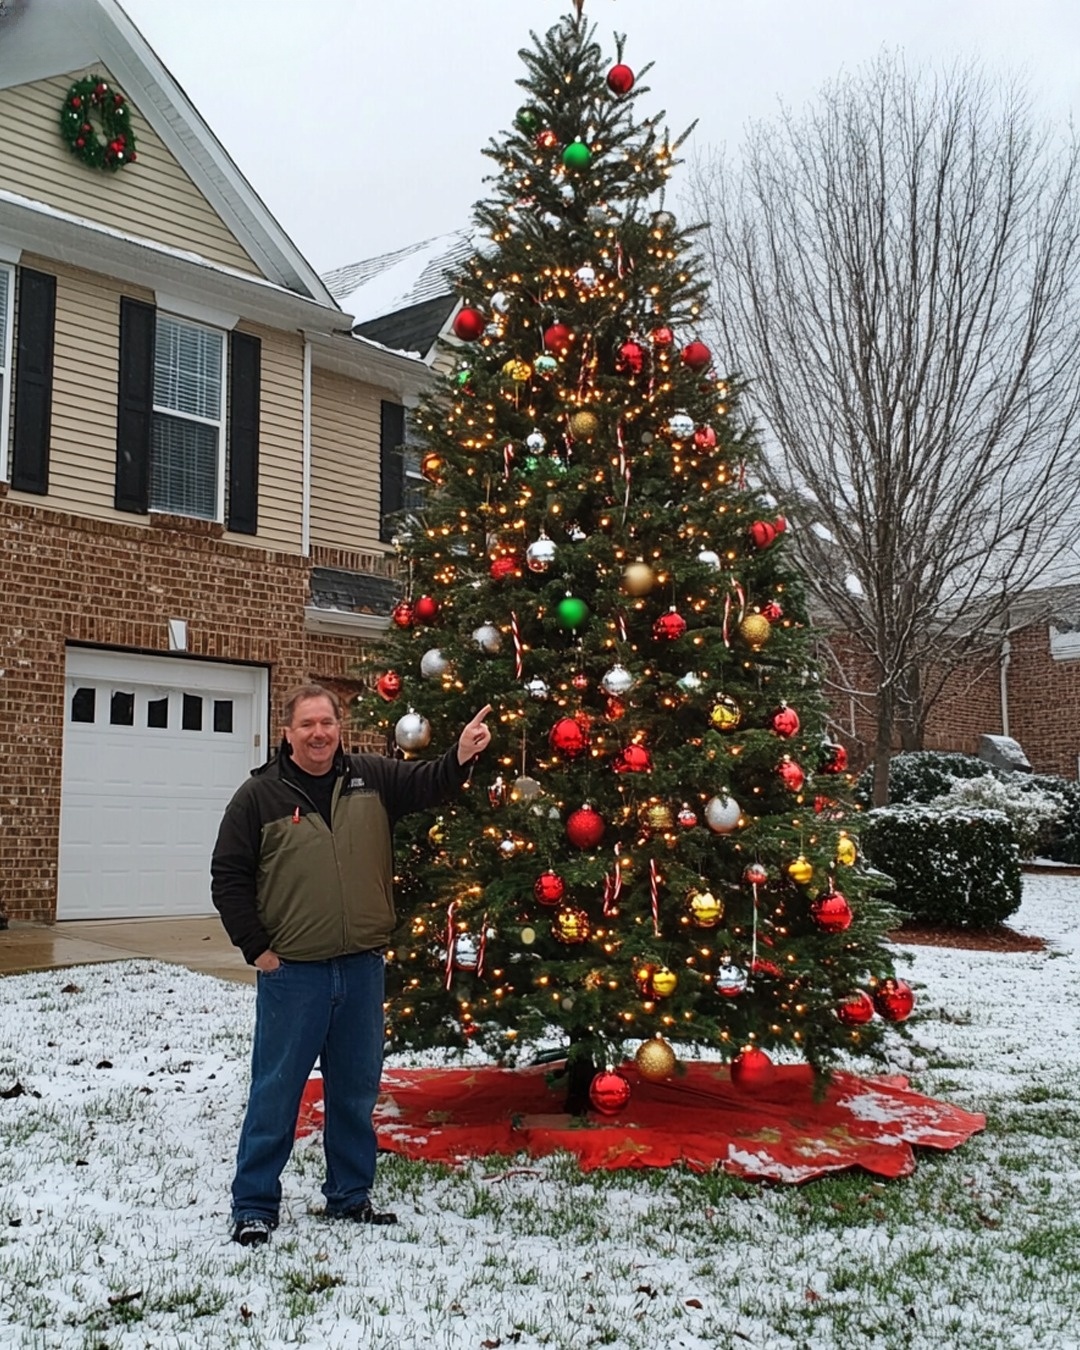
(191, 717)
(7, 324)
(187, 438)
(413, 482)
(122, 708)
(223, 719)
(82, 704)
(157, 713)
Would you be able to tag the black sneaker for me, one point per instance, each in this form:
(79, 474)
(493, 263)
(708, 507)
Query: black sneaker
(365, 1214)
(252, 1232)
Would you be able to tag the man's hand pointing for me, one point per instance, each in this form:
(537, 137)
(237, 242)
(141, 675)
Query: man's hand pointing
(475, 738)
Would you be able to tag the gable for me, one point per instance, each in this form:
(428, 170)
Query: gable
(154, 198)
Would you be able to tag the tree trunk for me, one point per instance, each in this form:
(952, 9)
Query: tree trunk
(581, 1069)
(883, 745)
(912, 719)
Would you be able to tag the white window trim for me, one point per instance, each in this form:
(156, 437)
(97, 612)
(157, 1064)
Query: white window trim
(6, 366)
(219, 423)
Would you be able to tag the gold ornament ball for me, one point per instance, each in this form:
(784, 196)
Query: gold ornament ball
(437, 834)
(800, 871)
(705, 910)
(517, 371)
(846, 852)
(655, 1060)
(726, 713)
(639, 578)
(664, 982)
(755, 631)
(570, 926)
(655, 816)
(584, 425)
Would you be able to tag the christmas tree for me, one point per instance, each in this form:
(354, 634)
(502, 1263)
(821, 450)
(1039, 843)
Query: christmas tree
(656, 848)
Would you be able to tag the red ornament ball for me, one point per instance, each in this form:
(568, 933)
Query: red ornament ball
(755, 875)
(549, 888)
(831, 912)
(633, 759)
(402, 614)
(662, 336)
(705, 438)
(752, 1070)
(791, 774)
(762, 534)
(426, 609)
(760, 966)
(614, 709)
(469, 324)
(609, 1093)
(620, 79)
(504, 567)
(772, 611)
(580, 680)
(894, 1000)
(568, 738)
(631, 358)
(546, 139)
(780, 524)
(856, 1010)
(585, 827)
(697, 356)
(834, 758)
(687, 818)
(388, 685)
(785, 721)
(557, 339)
(669, 627)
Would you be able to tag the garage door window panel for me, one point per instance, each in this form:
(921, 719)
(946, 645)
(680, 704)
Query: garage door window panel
(157, 713)
(83, 704)
(122, 708)
(191, 719)
(187, 449)
(223, 715)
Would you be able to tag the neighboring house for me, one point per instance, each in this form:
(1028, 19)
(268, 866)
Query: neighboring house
(195, 462)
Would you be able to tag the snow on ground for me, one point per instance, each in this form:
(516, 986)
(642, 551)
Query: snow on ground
(116, 1158)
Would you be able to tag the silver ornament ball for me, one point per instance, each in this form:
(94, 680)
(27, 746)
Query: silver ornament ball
(488, 638)
(540, 554)
(722, 814)
(412, 731)
(433, 665)
(617, 681)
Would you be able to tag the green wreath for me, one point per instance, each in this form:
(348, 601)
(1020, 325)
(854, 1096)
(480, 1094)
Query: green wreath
(84, 98)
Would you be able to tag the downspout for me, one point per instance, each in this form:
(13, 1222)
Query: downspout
(1003, 674)
(305, 491)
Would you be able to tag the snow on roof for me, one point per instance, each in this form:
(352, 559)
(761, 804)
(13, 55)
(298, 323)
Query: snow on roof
(393, 281)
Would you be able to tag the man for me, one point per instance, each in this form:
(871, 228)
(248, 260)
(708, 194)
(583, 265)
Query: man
(301, 875)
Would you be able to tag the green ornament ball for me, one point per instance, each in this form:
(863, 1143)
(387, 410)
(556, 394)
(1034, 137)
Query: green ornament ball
(571, 612)
(577, 156)
(528, 121)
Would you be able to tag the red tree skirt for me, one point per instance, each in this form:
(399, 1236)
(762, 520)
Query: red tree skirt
(697, 1118)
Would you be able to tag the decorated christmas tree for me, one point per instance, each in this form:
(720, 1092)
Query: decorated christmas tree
(657, 850)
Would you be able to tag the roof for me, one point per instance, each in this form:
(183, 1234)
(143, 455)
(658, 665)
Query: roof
(353, 592)
(53, 37)
(407, 277)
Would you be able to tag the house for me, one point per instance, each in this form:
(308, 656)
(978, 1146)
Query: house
(195, 466)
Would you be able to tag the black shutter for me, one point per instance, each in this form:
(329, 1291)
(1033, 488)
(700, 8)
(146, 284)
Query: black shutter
(135, 405)
(245, 355)
(33, 381)
(391, 465)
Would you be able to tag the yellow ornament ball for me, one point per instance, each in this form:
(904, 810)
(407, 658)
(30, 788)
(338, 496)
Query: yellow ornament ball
(653, 815)
(664, 982)
(846, 852)
(755, 630)
(655, 1060)
(517, 371)
(437, 834)
(706, 910)
(584, 425)
(800, 871)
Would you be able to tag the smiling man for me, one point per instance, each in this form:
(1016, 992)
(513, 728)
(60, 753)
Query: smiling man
(302, 877)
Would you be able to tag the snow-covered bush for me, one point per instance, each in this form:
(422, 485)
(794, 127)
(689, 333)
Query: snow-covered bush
(921, 775)
(1030, 810)
(949, 867)
(1059, 838)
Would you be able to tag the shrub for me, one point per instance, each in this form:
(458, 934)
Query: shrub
(921, 775)
(950, 867)
(1059, 838)
(1030, 809)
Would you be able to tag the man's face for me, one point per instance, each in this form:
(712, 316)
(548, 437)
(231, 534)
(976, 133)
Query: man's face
(314, 734)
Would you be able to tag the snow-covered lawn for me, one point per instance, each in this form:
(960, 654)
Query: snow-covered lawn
(115, 1164)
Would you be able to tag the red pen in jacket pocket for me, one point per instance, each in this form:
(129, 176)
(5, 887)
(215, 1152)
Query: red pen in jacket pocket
(296, 816)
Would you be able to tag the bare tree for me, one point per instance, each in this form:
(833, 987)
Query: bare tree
(897, 274)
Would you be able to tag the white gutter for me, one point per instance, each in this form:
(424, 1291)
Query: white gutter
(1003, 673)
(305, 490)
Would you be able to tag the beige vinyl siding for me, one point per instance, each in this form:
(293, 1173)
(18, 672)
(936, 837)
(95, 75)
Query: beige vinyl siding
(345, 422)
(152, 198)
(82, 457)
(281, 440)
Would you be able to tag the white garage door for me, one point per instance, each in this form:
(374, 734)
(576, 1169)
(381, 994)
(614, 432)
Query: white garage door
(154, 747)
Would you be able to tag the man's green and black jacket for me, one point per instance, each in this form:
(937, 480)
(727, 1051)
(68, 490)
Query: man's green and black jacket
(284, 881)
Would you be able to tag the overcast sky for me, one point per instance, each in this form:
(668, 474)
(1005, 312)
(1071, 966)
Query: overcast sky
(360, 123)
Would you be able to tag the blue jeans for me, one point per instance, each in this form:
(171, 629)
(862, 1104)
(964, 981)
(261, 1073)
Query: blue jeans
(332, 1011)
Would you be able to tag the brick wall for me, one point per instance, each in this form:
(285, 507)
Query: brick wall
(68, 579)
